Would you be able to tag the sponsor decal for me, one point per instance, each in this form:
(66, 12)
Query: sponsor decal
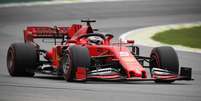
(124, 54)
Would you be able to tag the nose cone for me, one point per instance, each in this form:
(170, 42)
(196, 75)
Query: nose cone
(137, 72)
(129, 63)
(133, 67)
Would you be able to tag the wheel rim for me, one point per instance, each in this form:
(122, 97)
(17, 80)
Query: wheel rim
(66, 66)
(154, 63)
(10, 60)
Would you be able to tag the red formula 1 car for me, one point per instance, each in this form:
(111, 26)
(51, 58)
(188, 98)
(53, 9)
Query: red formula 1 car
(80, 53)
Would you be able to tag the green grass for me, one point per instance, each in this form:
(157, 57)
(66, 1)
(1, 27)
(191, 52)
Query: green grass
(18, 1)
(190, 37)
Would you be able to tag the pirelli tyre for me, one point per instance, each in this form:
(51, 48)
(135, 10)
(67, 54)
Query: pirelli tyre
(166, 59)
(22, 59)
(75, 56)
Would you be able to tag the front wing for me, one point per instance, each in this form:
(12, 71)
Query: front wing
(185, 74)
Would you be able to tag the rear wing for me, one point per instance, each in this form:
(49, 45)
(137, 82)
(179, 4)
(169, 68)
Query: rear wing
(33, 32)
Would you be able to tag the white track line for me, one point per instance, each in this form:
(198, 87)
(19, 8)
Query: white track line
(143, 36)
(53, 2)
(36, 3)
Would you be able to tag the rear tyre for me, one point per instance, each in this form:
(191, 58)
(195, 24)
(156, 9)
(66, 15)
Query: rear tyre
(165, 58)
(75, 56)
(22, 59)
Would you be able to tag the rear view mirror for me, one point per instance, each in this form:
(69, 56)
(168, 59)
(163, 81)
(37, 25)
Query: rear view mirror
(131, 41)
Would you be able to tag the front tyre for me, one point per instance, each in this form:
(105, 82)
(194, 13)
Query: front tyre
(166, 59)
(75, 56)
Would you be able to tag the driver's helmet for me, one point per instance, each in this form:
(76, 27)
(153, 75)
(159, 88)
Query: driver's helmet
(95, 40)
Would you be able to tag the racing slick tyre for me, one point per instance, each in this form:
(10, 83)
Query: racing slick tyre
(75, 56)
(21, 60)
(164, 58)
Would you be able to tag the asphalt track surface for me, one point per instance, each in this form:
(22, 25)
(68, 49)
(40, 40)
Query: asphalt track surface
(113, 17)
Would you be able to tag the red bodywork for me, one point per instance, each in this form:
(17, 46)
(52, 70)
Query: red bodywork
(118, 52)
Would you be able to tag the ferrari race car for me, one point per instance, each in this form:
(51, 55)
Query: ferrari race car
(81, 53)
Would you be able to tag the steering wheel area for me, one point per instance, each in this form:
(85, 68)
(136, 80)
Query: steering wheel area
(93, 38)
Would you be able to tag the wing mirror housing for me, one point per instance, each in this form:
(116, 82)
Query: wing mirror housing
(131, 41)
(109, 36)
